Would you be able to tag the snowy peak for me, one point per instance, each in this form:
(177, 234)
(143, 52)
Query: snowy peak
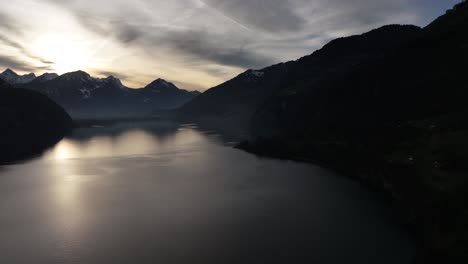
(13, 78)
(115, 82)
(84, 95)
(9, 72)
(91, 83)
(253, 75)
(9, 76)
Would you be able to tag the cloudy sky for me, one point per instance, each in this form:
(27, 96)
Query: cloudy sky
(194, 43)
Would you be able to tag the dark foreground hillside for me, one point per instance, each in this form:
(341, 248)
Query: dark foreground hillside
(398, 123)
(30, 122)
(387, 107)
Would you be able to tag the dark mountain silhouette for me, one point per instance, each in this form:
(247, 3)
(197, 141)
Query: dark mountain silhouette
(31, 122)
(12, 77)
(45, 77)
(234, 102)
(86, 97)
(238, 99)
(74, 89)
(387, 107)
(418, 80)
(161, 94)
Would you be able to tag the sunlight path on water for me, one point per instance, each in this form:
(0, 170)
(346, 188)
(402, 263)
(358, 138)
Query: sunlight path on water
(166, 193)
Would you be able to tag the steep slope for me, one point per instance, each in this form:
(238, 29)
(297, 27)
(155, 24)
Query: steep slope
(30, 123)
(234, 101)
(397, 121)
(327, 85)
(418, 80)
(237, 100)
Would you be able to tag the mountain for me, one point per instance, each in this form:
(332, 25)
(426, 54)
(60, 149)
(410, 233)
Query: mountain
(84, 96)
(72, 89)
(161, 94)
(45, 77)
(31, 122)
(12, 77)
(388, 108)
(418, 80)
(321, 85)
(234, 102)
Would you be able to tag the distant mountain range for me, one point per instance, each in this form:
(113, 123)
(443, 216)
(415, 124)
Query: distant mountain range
(13, 78)
(87, 97)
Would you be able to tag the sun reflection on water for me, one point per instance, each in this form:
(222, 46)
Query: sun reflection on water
(130, 143)
(64, 150)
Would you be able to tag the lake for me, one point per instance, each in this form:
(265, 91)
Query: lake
(162, 192)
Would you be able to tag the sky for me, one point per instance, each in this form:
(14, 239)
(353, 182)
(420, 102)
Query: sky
(196, 44)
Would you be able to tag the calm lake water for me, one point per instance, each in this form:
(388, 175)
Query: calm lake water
(167, 193)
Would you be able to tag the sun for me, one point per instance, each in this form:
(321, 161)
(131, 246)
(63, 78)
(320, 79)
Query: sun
(66, 54)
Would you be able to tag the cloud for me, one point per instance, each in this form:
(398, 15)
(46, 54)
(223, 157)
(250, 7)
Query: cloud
(198, 44)
(202, 45)
(225, 31)
(13, 63)
(213, 39)
(23, 50)
(188, 86)
(194, 46)
(118, 75)
(8, 23)
(271, 16)
(127, 33)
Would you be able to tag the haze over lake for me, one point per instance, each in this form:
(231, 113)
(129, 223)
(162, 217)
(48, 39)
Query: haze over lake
(168, 193)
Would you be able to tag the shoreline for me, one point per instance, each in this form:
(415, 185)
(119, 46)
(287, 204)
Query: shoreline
(395, 183)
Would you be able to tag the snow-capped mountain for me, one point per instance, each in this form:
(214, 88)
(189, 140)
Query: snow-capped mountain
(74, 87)
(85, 96)
(12, 77)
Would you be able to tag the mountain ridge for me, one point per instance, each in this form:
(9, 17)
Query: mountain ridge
(12, 77)
(85, 96)
(237, 100)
